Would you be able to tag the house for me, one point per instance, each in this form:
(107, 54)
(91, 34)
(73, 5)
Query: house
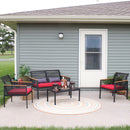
(87, 43)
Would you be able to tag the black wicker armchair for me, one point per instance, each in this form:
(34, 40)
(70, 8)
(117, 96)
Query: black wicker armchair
(118, 82)
(16, 88)
(44, 79)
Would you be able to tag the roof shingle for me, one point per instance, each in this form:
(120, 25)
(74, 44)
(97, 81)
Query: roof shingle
(116, 8)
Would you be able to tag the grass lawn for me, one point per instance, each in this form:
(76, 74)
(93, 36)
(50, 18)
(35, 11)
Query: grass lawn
(6, 67)
(9, 52)
(54, 128)
(6, 56)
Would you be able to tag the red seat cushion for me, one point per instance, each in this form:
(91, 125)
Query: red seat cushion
(111, 86)
(42, 85)
(18, 91)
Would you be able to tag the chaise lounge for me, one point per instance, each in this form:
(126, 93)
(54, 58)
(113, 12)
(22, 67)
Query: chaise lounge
(44, 79)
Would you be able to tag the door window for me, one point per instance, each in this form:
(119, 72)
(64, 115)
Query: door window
(93, 52)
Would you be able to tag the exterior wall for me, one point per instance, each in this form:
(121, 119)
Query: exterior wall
(39, 47)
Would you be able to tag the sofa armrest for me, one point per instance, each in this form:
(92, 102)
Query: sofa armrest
(9, 85)
(34, 81)
(65, 77)
(121, 81)
(33, 78)
(22, 82)
(28, 83)
(106, 81)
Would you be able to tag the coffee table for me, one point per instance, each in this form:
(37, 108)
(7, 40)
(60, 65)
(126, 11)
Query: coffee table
(69, 90)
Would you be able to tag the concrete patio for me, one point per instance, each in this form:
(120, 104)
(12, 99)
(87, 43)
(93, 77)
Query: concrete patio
(111, 114)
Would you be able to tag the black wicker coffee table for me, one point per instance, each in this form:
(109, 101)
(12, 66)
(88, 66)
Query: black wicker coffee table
(69, 90)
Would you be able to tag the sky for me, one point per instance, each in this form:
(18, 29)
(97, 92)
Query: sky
(10, 6)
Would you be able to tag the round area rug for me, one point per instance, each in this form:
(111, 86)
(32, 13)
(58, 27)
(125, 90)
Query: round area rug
(67, 106)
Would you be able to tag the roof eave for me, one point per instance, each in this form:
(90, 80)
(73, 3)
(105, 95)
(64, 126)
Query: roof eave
(65, 18)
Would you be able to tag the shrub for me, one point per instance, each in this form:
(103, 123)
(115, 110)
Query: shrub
(111, 80)
(24, 72)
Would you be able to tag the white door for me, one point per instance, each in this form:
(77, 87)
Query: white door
(93, 56)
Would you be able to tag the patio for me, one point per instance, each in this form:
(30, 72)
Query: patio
(111, 114)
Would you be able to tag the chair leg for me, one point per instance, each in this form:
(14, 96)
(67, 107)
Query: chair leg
(37, 93)
(4, 100)
(127, 94)
(11, 99)
(114, 96)
(26, 101)
(71, 94)
(100, 92)
(32, 96)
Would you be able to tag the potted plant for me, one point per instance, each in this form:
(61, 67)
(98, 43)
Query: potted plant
(24, 72)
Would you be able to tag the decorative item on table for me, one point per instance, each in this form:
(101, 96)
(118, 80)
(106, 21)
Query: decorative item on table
(72, 84)
(19, 81)
(68, 84)
(64, 84)
(55, 87)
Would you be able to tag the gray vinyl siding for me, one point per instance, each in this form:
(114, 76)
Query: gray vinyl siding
(119, 49)
(39, 47)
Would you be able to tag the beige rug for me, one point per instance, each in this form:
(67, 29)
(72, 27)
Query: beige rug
(67, 106)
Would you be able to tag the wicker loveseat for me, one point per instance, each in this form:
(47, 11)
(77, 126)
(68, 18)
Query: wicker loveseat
(43, 79)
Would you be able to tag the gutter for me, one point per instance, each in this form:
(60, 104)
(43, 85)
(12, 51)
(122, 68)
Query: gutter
(65, 18)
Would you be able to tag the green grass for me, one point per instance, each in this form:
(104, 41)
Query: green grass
(6, 67)
(54, 128)
(6, 56)
(9, 52)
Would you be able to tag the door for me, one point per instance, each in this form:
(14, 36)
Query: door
(93, 56)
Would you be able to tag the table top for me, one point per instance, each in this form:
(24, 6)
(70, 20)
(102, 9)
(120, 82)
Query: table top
(64, 89)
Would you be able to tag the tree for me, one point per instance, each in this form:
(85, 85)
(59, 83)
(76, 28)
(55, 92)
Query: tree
(11, 47)
(2, 50)
(6, 46)
(6, 38)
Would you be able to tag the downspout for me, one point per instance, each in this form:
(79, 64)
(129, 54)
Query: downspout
(15, 59)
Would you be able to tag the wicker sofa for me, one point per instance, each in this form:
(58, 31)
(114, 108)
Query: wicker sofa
(43, 79)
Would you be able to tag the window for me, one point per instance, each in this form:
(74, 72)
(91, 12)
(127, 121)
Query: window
(93, 52)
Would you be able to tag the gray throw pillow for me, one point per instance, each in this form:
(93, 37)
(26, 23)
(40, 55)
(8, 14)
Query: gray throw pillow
(42, 80)
(54, 79)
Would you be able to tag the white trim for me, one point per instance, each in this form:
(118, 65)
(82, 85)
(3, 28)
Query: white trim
(93, 29)
(79, 59)
(15, 47)
(106, 51)
(64, 18)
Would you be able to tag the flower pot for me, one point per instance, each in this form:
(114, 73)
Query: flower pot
(25, 78)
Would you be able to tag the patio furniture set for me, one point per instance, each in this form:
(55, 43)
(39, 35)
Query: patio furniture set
(50, 80)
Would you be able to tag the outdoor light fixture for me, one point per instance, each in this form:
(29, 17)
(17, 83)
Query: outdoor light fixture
(61, 35)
